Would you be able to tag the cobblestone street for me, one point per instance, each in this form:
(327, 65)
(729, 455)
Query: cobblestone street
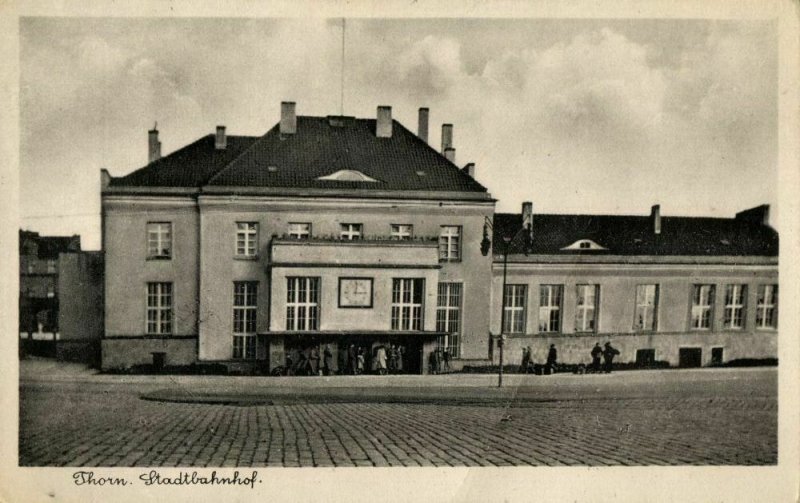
(726, 417)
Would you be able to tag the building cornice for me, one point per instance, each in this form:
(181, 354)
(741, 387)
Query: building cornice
(627, 260)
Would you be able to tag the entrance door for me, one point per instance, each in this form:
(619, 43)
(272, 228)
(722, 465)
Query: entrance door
(690, 357)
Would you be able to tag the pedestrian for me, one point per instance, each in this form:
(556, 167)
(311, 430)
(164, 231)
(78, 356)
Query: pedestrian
(608, 355)
(526, 360)
(302, 364)
(393, 359)
(400, 352)
(360, 361)
(313, 361)
(596, 352)
(446, 359)
(552, 356)
(327, 360)
(352, 359)
(381, 360)
(433, 362)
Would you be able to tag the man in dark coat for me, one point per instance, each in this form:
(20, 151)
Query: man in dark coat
(596, 352)
(526, 360)
(352, 359)
(608, 357)
(552, 356)
(327, 360)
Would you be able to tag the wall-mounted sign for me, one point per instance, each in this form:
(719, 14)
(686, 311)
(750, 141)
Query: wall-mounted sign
(355, 292)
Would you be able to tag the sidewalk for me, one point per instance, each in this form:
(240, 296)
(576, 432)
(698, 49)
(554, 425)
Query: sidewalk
(461, 388)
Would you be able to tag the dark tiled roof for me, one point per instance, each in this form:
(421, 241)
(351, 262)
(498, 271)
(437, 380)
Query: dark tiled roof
(191, 166)
(633, 235)
(318, 148)
(47, 247)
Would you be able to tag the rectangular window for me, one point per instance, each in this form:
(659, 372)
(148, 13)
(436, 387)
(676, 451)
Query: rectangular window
(51, 291)
(550, 307)
(245, 298)
(351, 232)
(702, 306)
(51, 266)
(448, 317)
(514, 301)
(767, 307)
(735, 306)
(302, 304)
(159, 240)
(407, 297)
(300, 230)
(586, 308)
(402, 231)
(646, 308)
(246, 239)
(450, 243)
(159, 308)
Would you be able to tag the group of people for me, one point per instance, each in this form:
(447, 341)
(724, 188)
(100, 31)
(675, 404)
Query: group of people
(608, 352)
(309, 361)
(384, 360)
(439, 360)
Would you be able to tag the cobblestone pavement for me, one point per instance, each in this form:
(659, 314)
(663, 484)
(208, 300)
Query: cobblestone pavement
(102, 424)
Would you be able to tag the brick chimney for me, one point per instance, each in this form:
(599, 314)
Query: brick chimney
(447, 137)
(422, 127)
(758, 215)
(220, 140)
(383, 126)
(153, 145)
(288, 118)
(655, 216)
(469, 169)
(450, 154)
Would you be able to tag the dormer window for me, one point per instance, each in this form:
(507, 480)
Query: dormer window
(348, 175)
(584, 245)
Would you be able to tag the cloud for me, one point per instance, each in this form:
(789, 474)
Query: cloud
(596, 117)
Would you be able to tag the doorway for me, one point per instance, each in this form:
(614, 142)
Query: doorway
(690, 357)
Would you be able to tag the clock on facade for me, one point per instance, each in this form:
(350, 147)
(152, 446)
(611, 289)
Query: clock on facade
(355, 292)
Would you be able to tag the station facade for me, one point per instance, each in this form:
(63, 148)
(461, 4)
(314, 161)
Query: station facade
(337, 232)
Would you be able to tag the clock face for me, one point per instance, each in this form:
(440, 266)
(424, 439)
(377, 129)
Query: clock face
(355, 292)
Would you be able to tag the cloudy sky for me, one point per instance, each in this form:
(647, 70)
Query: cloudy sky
(590, 116)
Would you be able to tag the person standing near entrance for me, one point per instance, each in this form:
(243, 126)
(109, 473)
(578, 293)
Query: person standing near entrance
(608, 354)
(381, 360)
(596, 352)
(352, 361)
(400, 352)
(327, 361)
(393, 359)
(313, 360)
(552, 357)
(360, 361)
(446, 359)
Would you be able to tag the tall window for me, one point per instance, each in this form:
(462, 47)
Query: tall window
(401, 231)
(159, 308)
(407, 296)
(646, 307)
(586, 308)
(245, 294)
(767, 306)
(735, 305)
(300, 230)
(246, 239)
(51, 266)
(448, 317)
(450, 243)
(159, 240)
(351, 232)
(702, 306)
(550, 307)
(302, 304)
(514, 300)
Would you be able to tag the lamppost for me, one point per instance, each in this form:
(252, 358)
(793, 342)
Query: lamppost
(507, 240)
